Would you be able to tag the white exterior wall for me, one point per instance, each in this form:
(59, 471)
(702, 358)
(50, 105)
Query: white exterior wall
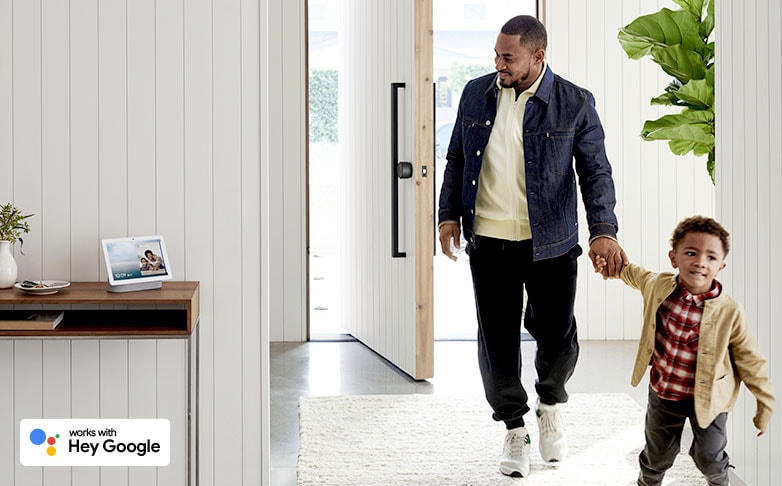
(132, 118)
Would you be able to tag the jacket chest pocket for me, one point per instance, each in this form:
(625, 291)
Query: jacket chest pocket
(475, 136)
(554, 149)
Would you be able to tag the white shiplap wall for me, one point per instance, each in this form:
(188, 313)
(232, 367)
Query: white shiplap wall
(655, 189)
(286, 110)
(749, 174)
(139, 117)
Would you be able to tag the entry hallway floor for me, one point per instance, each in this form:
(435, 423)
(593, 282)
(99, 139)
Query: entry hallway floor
(322, 368)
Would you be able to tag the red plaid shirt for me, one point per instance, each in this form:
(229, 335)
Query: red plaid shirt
(676, 342)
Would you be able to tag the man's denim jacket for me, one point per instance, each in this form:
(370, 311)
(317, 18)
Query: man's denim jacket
(561, 126)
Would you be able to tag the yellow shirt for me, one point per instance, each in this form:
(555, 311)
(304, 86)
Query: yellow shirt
(501, 202)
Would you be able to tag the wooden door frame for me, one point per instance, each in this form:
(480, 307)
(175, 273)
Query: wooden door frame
(424, 187)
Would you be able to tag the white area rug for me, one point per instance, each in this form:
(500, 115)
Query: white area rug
(447, 440)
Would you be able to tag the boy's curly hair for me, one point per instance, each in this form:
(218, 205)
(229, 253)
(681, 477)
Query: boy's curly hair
(700, 224)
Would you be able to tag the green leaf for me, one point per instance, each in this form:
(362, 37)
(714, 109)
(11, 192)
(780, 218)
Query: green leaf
(710, 75)
(707, 24)
(679, 62)
(688, 131)
(684, 145)
(667, 99)
(661, 29)
(697, 93)
(686, 117)
(695, 7)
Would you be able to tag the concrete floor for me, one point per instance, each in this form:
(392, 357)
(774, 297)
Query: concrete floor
(349, 368)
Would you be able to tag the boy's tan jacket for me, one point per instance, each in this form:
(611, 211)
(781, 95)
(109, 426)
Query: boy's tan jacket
(728, 353)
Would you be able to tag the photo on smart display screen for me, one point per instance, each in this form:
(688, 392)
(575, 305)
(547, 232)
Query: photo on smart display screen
(135, 258)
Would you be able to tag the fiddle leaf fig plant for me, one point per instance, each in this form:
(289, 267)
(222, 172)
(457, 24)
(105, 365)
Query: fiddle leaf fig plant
(678, 41)
(13, 224)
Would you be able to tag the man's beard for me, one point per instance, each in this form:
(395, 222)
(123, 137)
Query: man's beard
(516, 83)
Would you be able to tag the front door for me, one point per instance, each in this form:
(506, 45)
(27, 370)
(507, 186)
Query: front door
(386, 112)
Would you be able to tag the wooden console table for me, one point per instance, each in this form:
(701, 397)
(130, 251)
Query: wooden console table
(94, 319)
(92, 312)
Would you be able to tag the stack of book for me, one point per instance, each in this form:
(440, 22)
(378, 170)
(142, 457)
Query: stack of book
(36, 321)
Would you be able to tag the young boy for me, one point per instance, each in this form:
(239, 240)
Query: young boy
(696, 339)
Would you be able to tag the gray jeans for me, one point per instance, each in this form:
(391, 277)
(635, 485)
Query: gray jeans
(664, 424)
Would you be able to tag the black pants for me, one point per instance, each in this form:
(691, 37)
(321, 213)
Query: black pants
(664, 424)
(501, 270)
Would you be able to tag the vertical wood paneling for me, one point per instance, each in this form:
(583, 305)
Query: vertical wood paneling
(745, 444)
(264, 281)
(769, 333)
(6, 100)
(254, 384)
(28, 399)
(199, 202)
(142, 123)
(142, 117)
(114, 395)
(169, 164)
(143, 396)
(85, 262)
(275, 109)
(749, 142)
(227, 238)
(55, 135)
(172, 404)
(8, 424)
(761, 306)
(27, 125)
(85, 401)
(56, 395)
(294, 179)
(732, 214)
(112, 114)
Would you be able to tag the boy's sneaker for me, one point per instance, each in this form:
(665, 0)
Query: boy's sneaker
(553, 444)
(515, 454)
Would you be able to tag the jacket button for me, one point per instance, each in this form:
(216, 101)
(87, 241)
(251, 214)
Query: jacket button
(472, 211)
(478, 152)
(488, 122)
(473, 182)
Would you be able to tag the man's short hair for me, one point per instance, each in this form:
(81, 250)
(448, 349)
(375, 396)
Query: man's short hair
(532, 32)
(700, 224)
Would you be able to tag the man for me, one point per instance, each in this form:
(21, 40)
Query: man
(521, 136)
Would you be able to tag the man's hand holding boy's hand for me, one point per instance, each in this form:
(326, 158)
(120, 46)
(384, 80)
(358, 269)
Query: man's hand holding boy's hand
(612, 255)
(601, 267)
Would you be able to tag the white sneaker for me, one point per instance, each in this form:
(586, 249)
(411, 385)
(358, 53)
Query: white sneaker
(515, 454)
(553, 444)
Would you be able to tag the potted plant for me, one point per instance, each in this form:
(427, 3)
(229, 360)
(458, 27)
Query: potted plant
(12, 225)
(678, 40)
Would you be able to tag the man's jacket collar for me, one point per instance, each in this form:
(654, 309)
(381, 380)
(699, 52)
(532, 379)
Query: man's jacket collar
(544, 90)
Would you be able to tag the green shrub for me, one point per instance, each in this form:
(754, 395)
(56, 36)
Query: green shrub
(324, 106)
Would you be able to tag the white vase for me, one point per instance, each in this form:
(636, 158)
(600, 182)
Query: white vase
(8, 268)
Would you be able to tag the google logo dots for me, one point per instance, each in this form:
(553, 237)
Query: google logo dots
(38, 437)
